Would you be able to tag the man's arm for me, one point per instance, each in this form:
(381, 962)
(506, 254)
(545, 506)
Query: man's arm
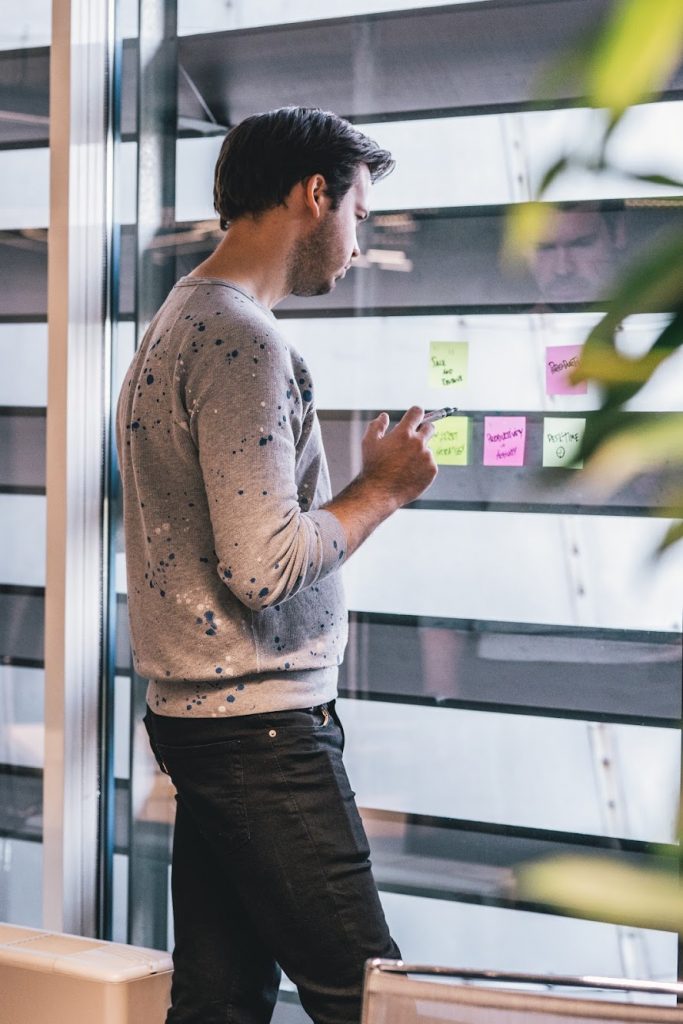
(267, 547)
(397, 467)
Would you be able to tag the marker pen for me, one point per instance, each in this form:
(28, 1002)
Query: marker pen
(438, 414)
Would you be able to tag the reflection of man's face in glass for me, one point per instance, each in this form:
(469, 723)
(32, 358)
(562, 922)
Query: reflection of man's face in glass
(577, 263)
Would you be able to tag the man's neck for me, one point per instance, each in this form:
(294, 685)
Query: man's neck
(253, 257)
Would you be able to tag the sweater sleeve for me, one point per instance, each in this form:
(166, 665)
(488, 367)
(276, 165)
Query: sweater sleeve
(246, 415)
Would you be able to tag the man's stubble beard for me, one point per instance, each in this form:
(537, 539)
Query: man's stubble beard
(308, 261)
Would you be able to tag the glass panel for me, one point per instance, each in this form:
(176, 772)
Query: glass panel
(443, 261)
(512, 684)
(458, 759)
(426, 61)
(23, 286)
(23, 355)
(23, 562)
(120, 888)
(29, 25)
(22, 449)
(575, 670)
(25, 84)
(21, 882)
(210, 16)
(420, 262)
(383, 362)
(566, 576)
(21, 700)
(439, 858)
(21, 624)
(27, 176)
(24, 101)
(429, 931)
(471, 484)
(470, 161)
(517, 567)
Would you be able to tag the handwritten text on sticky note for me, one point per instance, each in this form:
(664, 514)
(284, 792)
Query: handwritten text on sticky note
(560, 360)
(448, 364)
(450, 441)
(504, 440)
(561, 441)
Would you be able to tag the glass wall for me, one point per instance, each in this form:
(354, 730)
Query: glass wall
(24, 163)
(512, 686)
(512, 683)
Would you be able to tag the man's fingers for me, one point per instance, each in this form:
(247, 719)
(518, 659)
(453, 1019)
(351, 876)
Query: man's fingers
(427, 429)
(380, 424)
(413, 417)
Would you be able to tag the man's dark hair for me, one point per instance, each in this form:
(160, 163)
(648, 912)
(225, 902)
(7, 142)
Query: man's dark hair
(264, 156)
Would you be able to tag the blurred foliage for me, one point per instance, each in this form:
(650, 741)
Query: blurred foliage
(629, 61)
(608, 890)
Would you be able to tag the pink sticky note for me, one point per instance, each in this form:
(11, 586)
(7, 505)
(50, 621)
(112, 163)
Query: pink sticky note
(504, 440)
(560, 360)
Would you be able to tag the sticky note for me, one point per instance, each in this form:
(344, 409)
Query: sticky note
(504, 440)
(561, 441)
(560, 360)
(448, 364)
(450, 441)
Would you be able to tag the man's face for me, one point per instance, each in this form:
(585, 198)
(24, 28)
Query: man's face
(578, 262)
(323, 256)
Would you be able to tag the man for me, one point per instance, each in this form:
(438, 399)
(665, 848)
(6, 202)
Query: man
(237, 613)
(578, 261)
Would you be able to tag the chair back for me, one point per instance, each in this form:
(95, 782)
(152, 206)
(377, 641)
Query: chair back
(398, 993)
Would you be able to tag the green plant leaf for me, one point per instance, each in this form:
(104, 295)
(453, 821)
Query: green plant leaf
(614, 456)
(654, 284)
(559, 167)
(654, 179)
(605, 890)
(613, 123)
(636, 53)
(673, 535)
(607, 366)
(600, 426)
(623, 376)
(526, 225)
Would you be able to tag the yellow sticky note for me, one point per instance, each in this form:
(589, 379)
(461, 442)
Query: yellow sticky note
(450, 442)
(448, 364)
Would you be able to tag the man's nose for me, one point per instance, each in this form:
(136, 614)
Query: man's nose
(564, 263)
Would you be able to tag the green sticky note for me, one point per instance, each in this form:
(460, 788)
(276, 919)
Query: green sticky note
(448, 364)
(561, 442)
(450, 442)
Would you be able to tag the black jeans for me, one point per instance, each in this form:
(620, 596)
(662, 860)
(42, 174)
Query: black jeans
(270, 867)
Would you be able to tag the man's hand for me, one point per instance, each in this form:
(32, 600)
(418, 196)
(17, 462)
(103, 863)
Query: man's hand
(398, 461)
(397, 467)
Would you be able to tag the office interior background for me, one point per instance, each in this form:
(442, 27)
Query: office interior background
(512, 685)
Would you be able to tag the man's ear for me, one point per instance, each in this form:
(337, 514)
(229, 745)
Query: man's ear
(315, 195)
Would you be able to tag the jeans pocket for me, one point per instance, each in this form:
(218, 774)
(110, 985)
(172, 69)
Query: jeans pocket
(152, 743)
(332, 707)
(209, 779)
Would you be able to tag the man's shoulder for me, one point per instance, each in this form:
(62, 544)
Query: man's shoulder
(210, 306)
(222, 337)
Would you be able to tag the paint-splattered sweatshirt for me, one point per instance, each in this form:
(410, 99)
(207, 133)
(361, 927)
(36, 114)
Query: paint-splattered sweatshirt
(235, 600)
